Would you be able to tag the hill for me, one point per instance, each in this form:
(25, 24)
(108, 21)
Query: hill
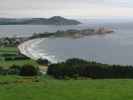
(56, 20)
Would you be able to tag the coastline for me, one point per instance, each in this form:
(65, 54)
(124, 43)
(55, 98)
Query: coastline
(27, 48)
(31, 49)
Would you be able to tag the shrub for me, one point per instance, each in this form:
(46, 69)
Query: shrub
(9, 58)
(14, 70)
(28, 70)
(2, 72)
(43, 61)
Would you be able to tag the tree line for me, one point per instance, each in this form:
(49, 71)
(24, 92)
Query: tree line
(78, 68)
(25, 70)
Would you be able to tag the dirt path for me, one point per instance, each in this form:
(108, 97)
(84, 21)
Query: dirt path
(43, 69)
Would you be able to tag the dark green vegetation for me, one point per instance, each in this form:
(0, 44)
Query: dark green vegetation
(78, 68)
(14, 63)
(56, 20)
(25, 70)
(28, 70)
(21, 88)
(43, 62)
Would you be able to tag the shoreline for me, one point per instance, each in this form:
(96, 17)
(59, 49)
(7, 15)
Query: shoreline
(27, 48)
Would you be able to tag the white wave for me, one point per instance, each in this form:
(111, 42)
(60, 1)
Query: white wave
(29, 48)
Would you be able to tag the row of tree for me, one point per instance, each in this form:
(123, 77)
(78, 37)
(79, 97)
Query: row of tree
(13, 56)
(75, 68)
(25, 70)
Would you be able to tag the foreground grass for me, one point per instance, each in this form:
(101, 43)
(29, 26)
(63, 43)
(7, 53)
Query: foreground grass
(51, 89)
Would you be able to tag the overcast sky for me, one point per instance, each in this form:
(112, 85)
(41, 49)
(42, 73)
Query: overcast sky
(66, 8)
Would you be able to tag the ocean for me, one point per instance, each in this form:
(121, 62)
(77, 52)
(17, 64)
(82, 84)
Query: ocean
(115, 48)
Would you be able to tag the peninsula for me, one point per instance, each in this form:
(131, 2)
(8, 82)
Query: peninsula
(55, 20)
(73, 33)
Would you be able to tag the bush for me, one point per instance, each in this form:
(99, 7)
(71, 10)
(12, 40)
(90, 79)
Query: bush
(9, 58)
(43, 61)
(14, 70)
(28, 70)
(2, 71)
(20, 58)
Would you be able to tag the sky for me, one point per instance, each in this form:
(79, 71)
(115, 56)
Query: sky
(66, 8)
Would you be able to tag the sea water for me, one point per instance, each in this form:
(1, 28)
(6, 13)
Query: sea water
(115, 48)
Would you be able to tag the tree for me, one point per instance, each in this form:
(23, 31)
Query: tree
(28, 70)
(43, 61)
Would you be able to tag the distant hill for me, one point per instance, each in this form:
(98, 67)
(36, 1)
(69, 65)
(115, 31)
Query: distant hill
(56, 20)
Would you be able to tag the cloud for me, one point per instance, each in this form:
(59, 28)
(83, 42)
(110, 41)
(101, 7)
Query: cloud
(46, 8)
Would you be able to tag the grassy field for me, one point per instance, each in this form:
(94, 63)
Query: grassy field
(8, 50)
(17, 88)
(16, 62)
(14, 50)
(46, 88)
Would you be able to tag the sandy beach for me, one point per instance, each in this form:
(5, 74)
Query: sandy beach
(29, 49)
